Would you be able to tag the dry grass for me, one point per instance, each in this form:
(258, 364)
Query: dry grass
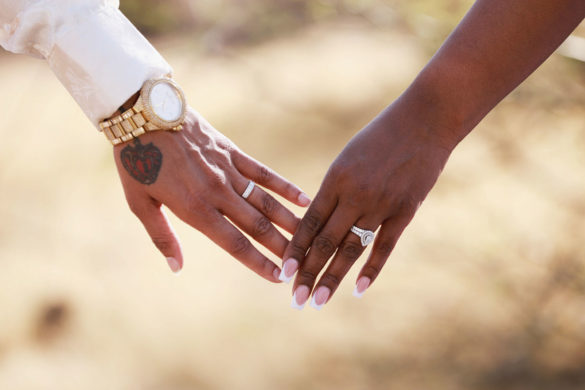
(485, 290)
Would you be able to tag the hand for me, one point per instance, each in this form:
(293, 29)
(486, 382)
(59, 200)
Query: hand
(200, 175)
(378, 181)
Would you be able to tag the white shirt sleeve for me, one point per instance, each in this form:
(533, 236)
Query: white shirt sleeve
(94, 50)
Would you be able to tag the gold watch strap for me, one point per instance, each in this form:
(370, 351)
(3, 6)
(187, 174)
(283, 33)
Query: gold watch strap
(128, 125)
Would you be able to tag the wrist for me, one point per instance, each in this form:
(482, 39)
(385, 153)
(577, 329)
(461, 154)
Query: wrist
(440, 99)
(420, 110)
(160, 105)
(128, 104)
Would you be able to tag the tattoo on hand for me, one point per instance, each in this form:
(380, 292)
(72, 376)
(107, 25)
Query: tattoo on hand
(143, 162)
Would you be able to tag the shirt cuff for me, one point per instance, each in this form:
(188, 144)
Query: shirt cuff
(102, 60)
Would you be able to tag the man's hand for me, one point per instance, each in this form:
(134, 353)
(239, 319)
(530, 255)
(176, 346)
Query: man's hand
(200, 175)
(378, 181)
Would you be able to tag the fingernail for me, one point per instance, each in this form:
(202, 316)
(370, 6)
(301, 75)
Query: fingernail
(361, 286)
(304, 199)
(174, 264)
(320, 297)
(300, 297)
(276, 273)
(288, 270)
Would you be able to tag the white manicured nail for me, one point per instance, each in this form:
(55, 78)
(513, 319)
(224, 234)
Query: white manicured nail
(174, 264)
(304, 199)
(361, 286)
(288, 270)
(320, 297)
(300, 297)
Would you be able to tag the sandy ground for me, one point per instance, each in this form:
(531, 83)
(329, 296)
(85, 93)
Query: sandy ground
(484, 290)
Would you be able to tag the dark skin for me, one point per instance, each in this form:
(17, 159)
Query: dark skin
(386, 171)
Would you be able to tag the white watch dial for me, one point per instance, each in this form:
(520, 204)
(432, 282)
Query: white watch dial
(166, 102)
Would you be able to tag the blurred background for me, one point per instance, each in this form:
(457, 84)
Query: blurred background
(484, 291)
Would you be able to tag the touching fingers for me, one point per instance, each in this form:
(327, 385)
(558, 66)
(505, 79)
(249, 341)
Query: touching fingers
(310, 225)
(266, 177)
(347, 248)
(160, 231)
(323, 247)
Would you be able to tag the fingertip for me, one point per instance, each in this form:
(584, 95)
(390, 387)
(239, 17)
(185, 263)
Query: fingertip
(276, 275)
(361, 286)
(303, 200)
(174, 264)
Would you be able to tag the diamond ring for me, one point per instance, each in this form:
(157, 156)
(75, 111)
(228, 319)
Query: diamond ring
(366, 236)
(248, 189)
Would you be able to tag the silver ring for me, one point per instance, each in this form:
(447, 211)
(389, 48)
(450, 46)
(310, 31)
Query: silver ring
(366, 236)
(248, 189)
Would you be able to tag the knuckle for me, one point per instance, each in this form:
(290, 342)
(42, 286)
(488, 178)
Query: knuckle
(371, 271)
(264, 175)
(330, 280)
(240, 246)
(384, 248)
(312, 223)
(261, 227)
(351, 251)
(297, 249)
(216, 181)
(269, 205)
(307, 276)
(325, 246)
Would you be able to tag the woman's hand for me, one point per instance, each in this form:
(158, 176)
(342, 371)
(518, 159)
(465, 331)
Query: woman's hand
(378, 181)
(201, 175)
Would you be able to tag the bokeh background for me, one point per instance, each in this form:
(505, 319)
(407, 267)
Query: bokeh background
(484, 291)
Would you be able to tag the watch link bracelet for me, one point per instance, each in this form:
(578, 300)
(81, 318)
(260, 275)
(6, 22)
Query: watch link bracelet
(161, 105)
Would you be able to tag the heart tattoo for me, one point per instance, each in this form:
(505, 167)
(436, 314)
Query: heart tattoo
(142, 162)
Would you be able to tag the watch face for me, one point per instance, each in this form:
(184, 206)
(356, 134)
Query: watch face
(166, 102)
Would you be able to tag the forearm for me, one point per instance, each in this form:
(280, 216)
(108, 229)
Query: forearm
(497, 45)
(93, 49)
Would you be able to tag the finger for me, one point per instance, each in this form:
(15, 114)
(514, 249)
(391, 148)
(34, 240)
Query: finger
(254, 223)
(161, 232)
(310, 225)
(271, 208)
(322, 248)
(349, 251)
(225, 235)
(383, 246)
(267, 178)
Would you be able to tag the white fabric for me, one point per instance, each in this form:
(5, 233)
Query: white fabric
(96, 52)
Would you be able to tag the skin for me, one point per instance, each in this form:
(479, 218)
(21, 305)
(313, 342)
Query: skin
(385, 172)
(200, 175)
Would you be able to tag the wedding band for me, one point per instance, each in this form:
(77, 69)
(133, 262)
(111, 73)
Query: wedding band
(249, 189)
(366, 236)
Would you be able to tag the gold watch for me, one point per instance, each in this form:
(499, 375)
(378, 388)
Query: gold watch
(161, 105)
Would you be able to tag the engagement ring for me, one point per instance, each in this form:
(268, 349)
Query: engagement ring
(366, 236)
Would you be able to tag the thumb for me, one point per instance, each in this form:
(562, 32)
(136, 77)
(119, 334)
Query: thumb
(161, 232)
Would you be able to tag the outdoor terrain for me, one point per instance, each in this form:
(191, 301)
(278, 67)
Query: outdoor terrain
(484, 291)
